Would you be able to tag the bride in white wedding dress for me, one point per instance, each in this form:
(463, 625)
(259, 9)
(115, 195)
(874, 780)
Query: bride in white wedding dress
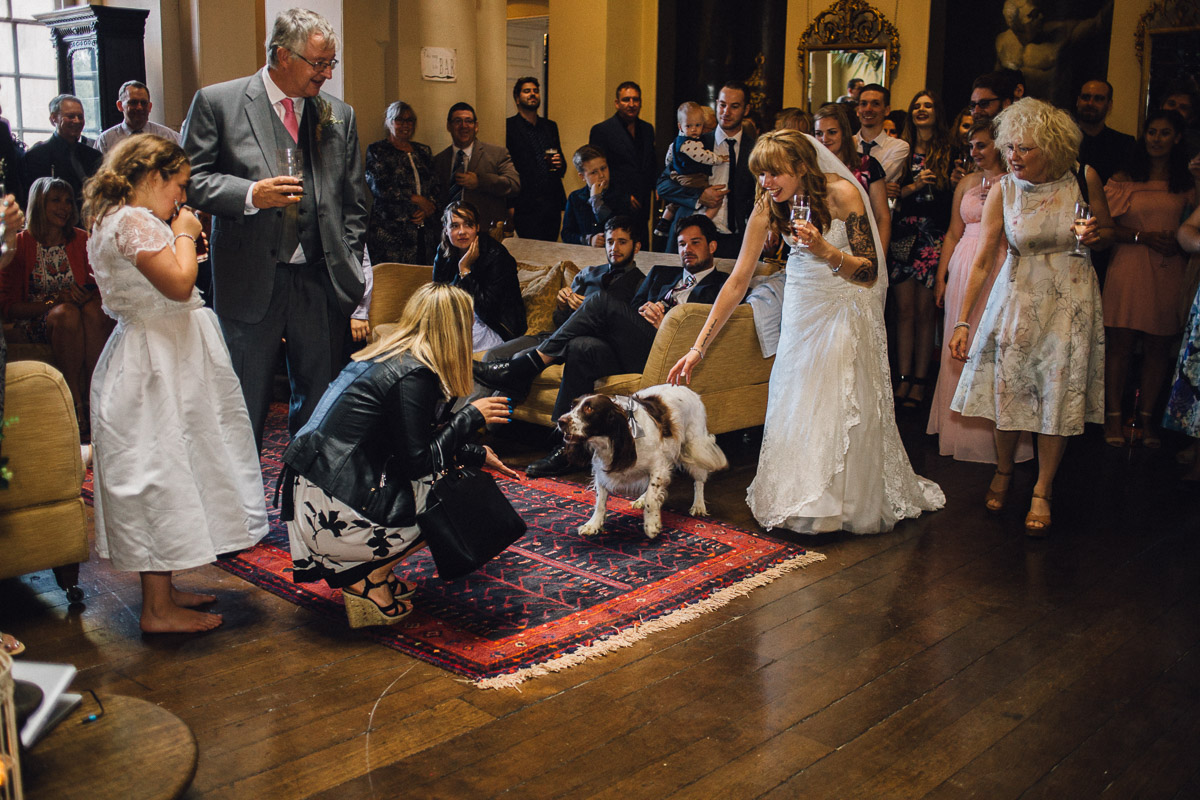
(831, 458)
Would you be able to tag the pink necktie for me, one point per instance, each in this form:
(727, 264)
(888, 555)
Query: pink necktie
(289, 119)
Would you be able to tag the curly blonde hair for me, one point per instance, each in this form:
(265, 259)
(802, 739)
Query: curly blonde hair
(1050, 128)
(124, 167)
(781, 152)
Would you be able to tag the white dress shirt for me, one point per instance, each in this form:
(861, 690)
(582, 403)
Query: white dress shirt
(723, 174)
(892, 154)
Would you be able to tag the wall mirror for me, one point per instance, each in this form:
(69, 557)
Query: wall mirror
(848, 40)
(1168, 49)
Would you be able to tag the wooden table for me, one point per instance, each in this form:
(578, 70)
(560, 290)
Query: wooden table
(136, 750)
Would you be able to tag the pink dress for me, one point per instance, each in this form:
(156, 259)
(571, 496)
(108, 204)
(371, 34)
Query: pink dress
(966, 438)
(1144, 289)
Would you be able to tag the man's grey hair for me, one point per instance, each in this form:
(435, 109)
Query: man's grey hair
(57, 102)
(293, 28)
(123, 95)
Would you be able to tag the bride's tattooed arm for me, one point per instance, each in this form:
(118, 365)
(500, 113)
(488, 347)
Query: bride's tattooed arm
(862, 244)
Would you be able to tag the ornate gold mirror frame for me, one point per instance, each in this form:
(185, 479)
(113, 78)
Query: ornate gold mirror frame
(1170, 21)
(853, 29)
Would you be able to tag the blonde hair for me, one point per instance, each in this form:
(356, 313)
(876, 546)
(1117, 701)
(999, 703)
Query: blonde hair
(687, 108)
(435, 327)
(124, 167)
(781, 152)
(37, 224)
(1050, 128)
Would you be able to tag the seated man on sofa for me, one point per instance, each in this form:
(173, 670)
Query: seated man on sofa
(607, 335)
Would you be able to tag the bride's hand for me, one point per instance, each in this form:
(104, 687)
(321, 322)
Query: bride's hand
(808, 236)
(683, 368)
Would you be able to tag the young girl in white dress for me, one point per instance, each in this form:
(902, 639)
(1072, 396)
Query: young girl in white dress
(831, 455)
(177, 474)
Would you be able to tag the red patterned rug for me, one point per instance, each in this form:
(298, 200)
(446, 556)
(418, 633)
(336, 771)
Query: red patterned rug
(552, 600)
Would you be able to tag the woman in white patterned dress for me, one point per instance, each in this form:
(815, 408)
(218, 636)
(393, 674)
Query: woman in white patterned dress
(831, 458)
(177, 474)
(1037, 360)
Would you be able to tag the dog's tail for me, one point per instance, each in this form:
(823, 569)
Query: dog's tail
(703, 451)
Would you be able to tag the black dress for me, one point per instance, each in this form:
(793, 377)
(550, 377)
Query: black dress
(393, 177)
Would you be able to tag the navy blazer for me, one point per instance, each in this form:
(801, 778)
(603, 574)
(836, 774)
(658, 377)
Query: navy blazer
(631, 162)
(581, 223)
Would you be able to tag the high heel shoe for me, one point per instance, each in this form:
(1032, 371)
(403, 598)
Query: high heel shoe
(1037, 525)
(363, 612)
(995, 499)
(1113, 439)
(1150, 437)
(401, 590)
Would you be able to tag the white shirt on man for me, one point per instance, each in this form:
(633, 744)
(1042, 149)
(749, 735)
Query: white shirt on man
(892, 154)
(120, 132)
(722, 174)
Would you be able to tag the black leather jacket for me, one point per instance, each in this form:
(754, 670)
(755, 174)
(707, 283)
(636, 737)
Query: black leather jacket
(492, 284)
(377, 429)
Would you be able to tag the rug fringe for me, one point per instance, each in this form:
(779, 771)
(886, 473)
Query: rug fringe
(635, 634)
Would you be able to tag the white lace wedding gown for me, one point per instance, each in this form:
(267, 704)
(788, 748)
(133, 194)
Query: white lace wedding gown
(177, 474)
(831, 455)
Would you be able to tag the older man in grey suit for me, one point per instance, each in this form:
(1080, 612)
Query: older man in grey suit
(482, 174)
(286, 251)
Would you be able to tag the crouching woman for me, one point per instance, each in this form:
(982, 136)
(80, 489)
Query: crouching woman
(357, 474)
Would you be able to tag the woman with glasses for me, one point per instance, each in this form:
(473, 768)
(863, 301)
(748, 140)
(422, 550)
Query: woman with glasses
(402, 227)
(1037, 360)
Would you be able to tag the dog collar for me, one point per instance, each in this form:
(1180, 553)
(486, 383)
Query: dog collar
(627, 405)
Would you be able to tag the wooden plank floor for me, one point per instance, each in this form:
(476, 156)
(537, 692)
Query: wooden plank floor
(950, 658)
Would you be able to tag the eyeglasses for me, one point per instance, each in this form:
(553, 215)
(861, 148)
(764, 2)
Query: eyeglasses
(987, 101)
(319, 66)
(405, 120)
(1020, 148)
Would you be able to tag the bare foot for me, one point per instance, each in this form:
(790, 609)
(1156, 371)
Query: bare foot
(191, 599)
(179, 620)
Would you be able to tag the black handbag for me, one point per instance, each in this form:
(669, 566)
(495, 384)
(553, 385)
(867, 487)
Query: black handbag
(467, 520)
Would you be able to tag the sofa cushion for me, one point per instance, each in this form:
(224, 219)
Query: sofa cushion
(41, 438)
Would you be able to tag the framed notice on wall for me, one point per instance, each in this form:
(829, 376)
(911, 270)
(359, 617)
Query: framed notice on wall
(438, 64)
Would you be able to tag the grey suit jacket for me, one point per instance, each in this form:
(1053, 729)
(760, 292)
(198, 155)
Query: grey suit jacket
(498, 180)
(229, 136)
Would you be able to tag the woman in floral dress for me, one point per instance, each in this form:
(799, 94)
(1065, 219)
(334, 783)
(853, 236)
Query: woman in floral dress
(1183, 405)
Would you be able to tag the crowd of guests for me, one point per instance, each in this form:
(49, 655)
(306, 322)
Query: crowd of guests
(997, 214)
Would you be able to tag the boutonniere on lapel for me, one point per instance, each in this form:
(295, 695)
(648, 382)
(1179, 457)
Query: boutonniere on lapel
(325, 117)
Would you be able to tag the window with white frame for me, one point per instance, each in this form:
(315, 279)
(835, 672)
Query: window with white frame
(28, 75)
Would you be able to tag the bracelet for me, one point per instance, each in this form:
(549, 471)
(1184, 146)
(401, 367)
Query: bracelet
(179, 236)
(698, 352)
(841, 262)
(966, 325)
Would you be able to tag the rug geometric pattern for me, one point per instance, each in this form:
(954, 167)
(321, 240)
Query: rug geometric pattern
(554, 598)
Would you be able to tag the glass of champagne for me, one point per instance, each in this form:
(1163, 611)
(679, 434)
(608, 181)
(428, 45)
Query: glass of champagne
(801, 212)
(985, 186)
(1083, 212)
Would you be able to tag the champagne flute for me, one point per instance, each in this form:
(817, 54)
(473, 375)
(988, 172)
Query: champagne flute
(801, 212)
(1083, 212)
(985, 186)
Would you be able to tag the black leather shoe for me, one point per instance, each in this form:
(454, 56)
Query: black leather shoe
(557, 463)
(513, 375)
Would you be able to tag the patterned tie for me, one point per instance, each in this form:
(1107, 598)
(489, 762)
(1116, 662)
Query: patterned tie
(672, 298)
(731, 216)
(289, 119)
(460, 165)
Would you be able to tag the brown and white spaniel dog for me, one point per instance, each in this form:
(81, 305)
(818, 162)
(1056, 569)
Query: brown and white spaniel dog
(635, 442)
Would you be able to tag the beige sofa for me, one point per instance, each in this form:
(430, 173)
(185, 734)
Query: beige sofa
(43, 523)
(732, 380)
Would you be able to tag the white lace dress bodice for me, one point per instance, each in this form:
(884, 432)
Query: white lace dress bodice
(177, 476)
(831, 457)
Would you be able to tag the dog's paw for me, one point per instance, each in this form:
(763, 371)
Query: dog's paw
(698, 510)
(639, 503)
(590, 529)
(652, 531)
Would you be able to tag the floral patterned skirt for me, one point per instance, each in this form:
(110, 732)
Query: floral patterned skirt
(914, 251)
(330, 541)
(1183, 406)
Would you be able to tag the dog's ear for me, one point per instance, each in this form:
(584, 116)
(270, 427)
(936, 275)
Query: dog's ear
(607, 419)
